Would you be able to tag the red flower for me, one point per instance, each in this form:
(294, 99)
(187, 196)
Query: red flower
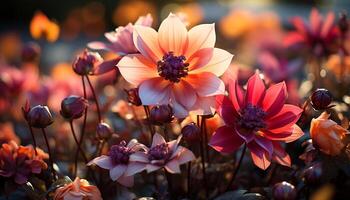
(260, 118)
(20, 162)
(318, 35)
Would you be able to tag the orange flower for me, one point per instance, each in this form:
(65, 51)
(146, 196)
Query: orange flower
(327, 135)
(42, 27)
(79, 189)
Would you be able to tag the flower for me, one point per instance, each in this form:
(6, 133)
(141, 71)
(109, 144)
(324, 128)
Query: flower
(321, 99)
(327, 135)
(259, 118)
(164, 154)
(90, 63)
(103, 130)
(19, 162)
(160, 115)
(176, 66)
(121, 40)
(73, 107)
(284, 191)
(39, 116)
(191, 132)
(318, 36)
(121, 168)
(79, 189)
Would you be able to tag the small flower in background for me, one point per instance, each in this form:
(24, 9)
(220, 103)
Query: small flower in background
(164, 154)
(104, 131)
(73, 107)
(42, 27)
(318, 36)
(176, 66)
(162, 114)
(321, 99)
(39, 116)
(284, 191)
(327, 135)
(121, 168)
(191, 132)
(87, 63)
(19, 162)
(79, 189)
(260, 119)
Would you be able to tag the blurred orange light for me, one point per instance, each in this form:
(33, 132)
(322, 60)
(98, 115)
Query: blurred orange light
(42, 27)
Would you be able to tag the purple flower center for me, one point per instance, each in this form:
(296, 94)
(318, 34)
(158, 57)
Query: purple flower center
(159, 152)
(120, 153)
(172, 68)
(252, 118)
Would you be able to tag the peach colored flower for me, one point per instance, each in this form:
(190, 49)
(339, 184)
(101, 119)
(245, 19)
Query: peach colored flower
(327, 135)
(176, 66)
(169, 155)
(80, 189)
(121, 168)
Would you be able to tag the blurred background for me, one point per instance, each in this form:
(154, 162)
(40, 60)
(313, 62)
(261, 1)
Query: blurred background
(82, 21)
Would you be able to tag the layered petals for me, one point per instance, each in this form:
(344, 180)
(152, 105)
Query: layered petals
(154, 91)
(200, 37)
(225, 140)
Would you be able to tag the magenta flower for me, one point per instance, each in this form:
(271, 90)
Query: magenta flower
(259, 118)
(176, 66)
(121, 168)
(317, 36)
(164, 154)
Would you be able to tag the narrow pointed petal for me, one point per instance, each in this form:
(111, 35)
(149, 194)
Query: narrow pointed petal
(236, 95)
(212, 60)
(134, 168)
(275, 98)
(103, 161)
(117, 171)
(138, 157)
(265, 144)
(184, 94)
(154, 92)
(172, 35)
(107, 66)
(255, 90)
(296, 134)
(315, 21)
(146, 41)
(199, 37)
(173, 167)
(157, 139)
(260, 157)
(185, 156)
(280, 155)
(286, 118)
(225, 140)
(127, 181)
(135, 69)
(206, 84)
(327, 25)
(226, 110)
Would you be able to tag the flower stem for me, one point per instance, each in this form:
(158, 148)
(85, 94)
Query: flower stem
(33, 137)
(78, 147)
(189, 179)
(50, 155)
(206, 141)
(237, 167)
(95, 98)
(148, 120)
(203, 159)
(170, 184)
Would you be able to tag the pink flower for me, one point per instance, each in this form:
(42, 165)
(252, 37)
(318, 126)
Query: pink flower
(176, 66)
(79, 189)
(121, 40)
(120, 167)
(317, 36)
(164, 154)
(259, 118)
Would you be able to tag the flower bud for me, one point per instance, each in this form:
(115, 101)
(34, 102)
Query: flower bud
(133, 96)
(313, 174)
(284, 191)
(73, 107)
(85, 63)
(103, 130)
(191, 132)
(343, 22)
(321, 98)
(39, 117)
(31, 52)
(327, 135)
(160, 115)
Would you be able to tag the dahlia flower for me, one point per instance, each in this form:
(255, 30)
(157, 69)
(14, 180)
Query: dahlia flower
(327, 135)
(79, 189)
(163, 154)
(318, 35)
(259, 118)
(20, 162)
(176, 66)
(121, 167)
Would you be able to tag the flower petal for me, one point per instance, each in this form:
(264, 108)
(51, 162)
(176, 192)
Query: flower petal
(154, 91)
(117, 171)
(127, 181)
(173, 167)
(134, 168)
(275, 98)
(206, 84)
(103, 161)
(151, 168)
(226, 110)
(185, 156)
(236, 95)
(225, 140)
(255, 90)
(172, 35)
(212, 60)
(179, 110)
(286, 118)
(157, 139)
(264, 143)
(146, 41)
(199, 37)
(204, 106)
(135, 69)
(259, 155)
(107, 66)
(184, 94)
(280, 155)
(138, 157)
